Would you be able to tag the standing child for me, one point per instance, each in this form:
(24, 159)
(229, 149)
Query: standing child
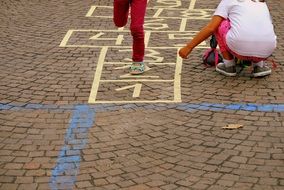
(137, 14)
(243, 29)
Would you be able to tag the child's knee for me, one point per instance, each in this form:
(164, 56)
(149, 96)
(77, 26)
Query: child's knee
(137, 30)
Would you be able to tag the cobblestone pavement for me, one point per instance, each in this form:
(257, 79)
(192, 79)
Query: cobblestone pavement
(72, 118)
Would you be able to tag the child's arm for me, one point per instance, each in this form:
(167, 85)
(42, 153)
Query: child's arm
(201, 36)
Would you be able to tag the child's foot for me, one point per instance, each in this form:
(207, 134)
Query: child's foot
(229, 71)
(137, 68)
(261, 71)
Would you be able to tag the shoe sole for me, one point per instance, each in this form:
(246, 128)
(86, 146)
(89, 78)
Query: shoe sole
(225, 73)
(262, 74)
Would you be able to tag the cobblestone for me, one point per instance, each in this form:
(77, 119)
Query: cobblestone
(53, 134)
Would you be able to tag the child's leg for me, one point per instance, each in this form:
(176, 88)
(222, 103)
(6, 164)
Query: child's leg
(138, 11)
(227, 68)
(221, 39)
(227, 55)
(120, 12)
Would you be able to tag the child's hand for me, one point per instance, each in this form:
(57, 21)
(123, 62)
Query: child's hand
(184, 52)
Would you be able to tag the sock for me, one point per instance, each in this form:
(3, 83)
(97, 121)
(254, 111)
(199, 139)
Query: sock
(260, 64)
(229, 63)
(140, 62)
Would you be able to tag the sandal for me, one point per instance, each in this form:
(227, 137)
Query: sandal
(137, 68)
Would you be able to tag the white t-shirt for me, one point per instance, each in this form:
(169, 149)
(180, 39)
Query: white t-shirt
(252, 32)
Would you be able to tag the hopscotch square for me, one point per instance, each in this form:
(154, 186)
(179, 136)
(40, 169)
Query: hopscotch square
(161, 64)
(173, 39)
(113, 79)
(198, 14)
(157, 55)
(100, 11)
(162, 24)
(135, 92)
(182, 13)
(120, 71)
(96, 38)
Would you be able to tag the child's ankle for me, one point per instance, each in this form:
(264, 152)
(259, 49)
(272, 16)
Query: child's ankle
(259, 64)
(229, 63)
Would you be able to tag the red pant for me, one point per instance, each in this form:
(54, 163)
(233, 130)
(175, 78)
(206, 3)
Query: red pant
(120, 16)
